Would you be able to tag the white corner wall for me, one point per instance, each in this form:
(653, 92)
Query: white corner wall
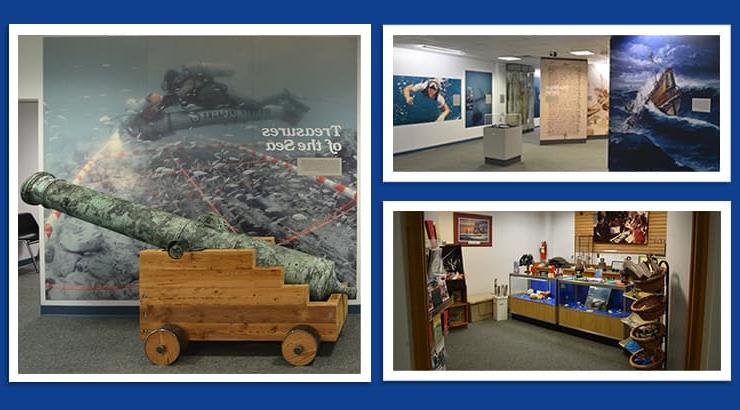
(678, 255)
(514, 234)
(421, 63)
(30, 92)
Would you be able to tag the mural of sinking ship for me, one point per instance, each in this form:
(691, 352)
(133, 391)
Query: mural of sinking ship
(665, 95)
(177, 234)
(664, 103)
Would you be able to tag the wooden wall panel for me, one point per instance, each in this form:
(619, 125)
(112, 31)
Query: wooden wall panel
(563, 99)
(657, 234)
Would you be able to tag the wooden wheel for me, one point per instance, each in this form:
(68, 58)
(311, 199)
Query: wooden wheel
(301, 345)
(164, 345)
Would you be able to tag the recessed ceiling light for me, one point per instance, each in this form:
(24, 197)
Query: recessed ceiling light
(442, 50)
(509, 58)
(582, 53)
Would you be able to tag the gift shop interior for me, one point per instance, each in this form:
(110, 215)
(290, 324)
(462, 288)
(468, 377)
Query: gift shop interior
(583, 290)
(556, 103)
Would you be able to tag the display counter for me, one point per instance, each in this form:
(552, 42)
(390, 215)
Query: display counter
(533, 297)
(594, 307)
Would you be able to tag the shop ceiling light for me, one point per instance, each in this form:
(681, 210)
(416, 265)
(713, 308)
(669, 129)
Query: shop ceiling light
(441, 50)
(509, 58)
(582, 53)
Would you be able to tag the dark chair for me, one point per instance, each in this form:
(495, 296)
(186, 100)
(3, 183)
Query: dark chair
(28, 233)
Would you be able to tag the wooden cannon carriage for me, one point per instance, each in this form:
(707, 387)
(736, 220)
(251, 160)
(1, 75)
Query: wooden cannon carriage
(220, 295)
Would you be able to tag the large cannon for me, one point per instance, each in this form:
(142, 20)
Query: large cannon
(177, 234)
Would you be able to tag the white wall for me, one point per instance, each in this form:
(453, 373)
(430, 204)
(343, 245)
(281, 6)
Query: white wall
(30, 91)
(514, 234)
(30, 67)
(678, 255)
(423, 64)
(28, 124)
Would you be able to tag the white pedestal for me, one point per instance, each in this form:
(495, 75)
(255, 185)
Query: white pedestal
(500, 308)
(502, 146)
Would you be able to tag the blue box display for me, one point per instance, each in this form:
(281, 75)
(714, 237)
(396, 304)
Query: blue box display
(534, 289)
(599, 298)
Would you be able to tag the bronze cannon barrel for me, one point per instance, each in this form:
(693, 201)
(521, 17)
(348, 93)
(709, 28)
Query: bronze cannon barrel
(162, 229)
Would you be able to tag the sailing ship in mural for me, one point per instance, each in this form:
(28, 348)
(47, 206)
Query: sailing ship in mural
(664, 103)
(665, 95)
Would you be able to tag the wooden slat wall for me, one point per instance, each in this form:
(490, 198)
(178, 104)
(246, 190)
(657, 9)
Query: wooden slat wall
(657, 233)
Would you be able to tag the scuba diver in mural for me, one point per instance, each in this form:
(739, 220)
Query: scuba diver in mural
(204, 101)
(432, 89)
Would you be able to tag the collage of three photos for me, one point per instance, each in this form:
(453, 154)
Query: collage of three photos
(198, 207)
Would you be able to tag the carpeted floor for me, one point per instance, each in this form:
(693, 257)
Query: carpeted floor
(518, 345)
(468, 156)
(105, 344)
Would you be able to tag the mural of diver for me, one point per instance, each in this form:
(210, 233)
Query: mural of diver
(192, 97)
(431, 88)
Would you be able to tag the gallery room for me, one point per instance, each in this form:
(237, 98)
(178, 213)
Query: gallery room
(556, 102)
(508, 290)
(189, 204)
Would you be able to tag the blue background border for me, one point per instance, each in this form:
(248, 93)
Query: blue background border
(417, 394)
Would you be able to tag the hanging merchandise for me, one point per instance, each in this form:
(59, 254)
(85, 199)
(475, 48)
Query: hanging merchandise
(520, 93)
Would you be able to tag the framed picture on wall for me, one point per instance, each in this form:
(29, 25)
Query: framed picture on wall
(473, 230)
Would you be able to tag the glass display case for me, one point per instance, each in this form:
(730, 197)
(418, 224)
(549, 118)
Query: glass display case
(534, 297)
(593, 305)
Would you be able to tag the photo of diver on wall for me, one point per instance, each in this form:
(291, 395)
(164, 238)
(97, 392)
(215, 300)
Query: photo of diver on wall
(425, 99)
(430, 89)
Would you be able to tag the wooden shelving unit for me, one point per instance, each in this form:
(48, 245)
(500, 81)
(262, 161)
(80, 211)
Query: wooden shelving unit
(634, 320)
(459, 309)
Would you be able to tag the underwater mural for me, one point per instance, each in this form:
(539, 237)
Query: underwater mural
(200, 126)
(425, 99)
(478, 98)
(664, 103)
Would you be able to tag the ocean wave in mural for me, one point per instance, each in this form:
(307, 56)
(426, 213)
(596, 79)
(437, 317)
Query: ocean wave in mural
(664, 103)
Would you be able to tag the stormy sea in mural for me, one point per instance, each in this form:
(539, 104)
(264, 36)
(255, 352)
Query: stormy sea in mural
(664, 103)
(225, 163)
